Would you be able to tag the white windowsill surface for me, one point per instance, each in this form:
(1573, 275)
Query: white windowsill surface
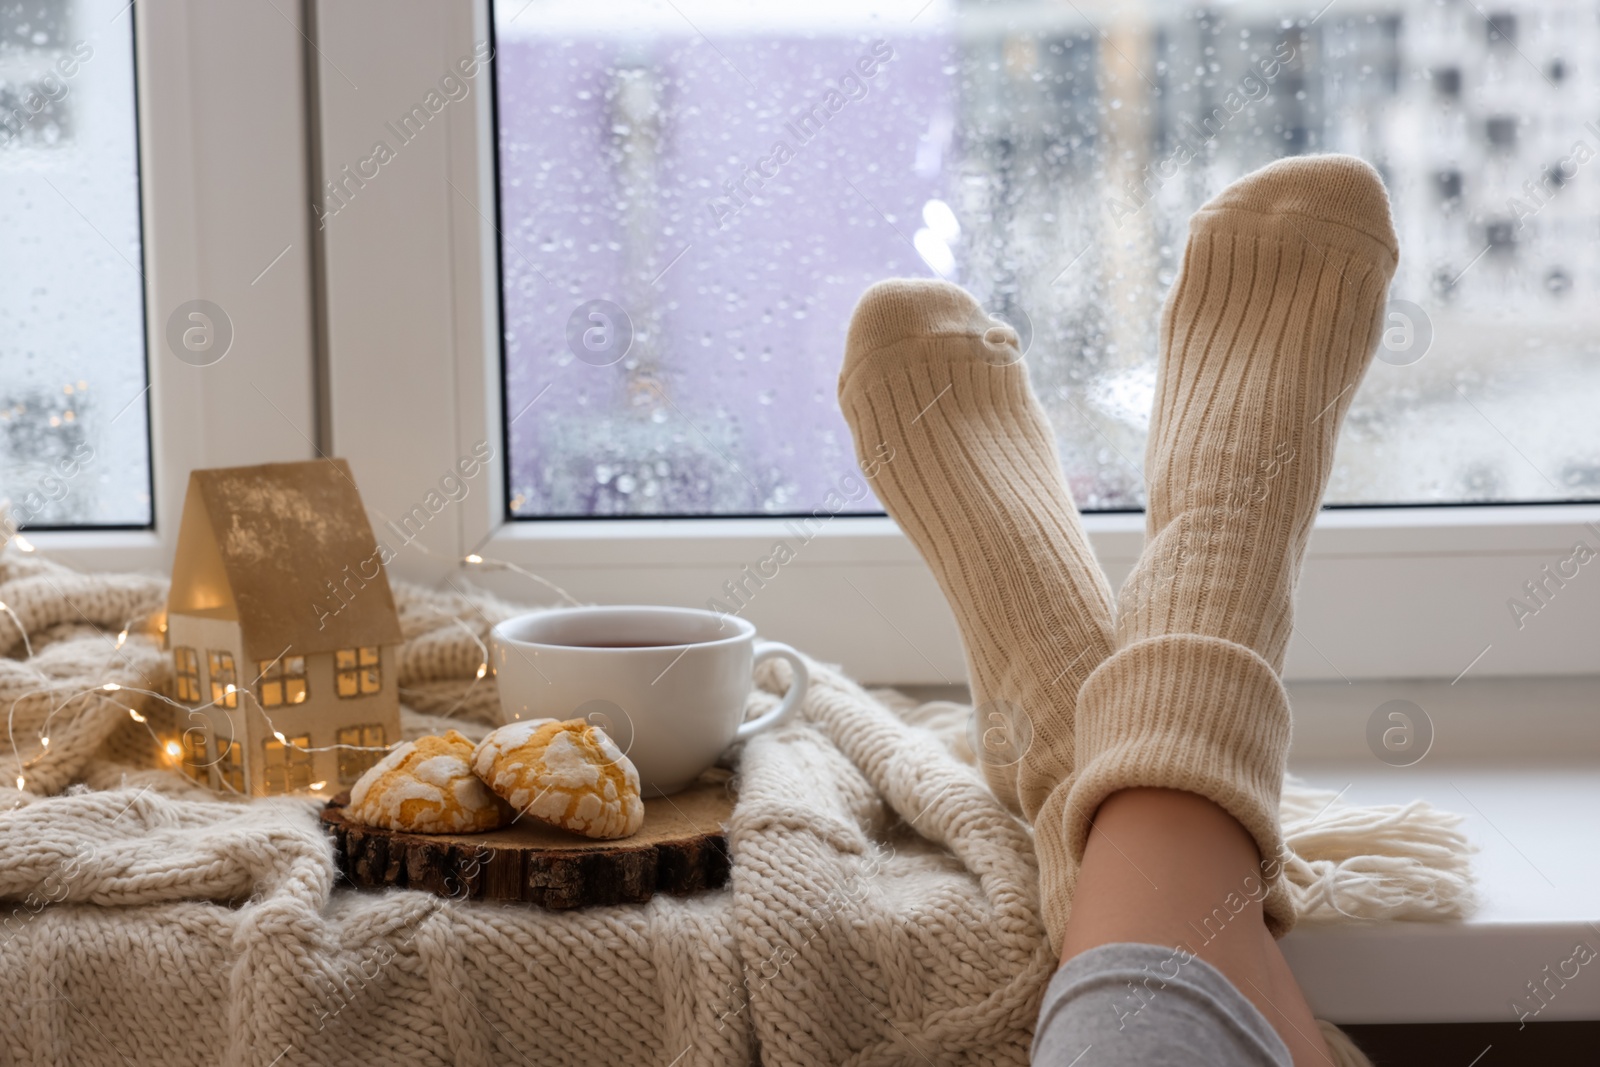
(1537, 825)
(1519, 759)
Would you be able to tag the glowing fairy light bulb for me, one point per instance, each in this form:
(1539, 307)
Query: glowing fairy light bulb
(20, 782)
(122, 637)
(135, 716)
(483, 669)
(44, 742)
(26, 546)
(230, 690)
(173, 749)
(111, 687)
(318, 785)
(281, 739)
(474, 558)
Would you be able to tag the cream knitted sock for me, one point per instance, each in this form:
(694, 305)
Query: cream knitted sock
(1264, 338)
(959, 452)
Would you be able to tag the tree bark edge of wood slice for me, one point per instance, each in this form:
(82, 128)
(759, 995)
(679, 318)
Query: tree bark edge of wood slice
(681, 848)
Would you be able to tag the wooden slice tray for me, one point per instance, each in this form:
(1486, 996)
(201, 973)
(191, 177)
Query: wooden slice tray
(681, 848)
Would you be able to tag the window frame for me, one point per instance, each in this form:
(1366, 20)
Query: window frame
(222, 108)
(1387, 592)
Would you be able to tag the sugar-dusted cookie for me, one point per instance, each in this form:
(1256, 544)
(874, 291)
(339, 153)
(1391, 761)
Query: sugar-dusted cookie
(427, 786)
(568, 774)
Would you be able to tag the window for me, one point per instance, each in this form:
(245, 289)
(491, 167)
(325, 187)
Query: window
(74, 422)
(230, 765)
(186, 675)
(196, 755)
(283, 681)
(353, 761)
(712, 229)
(224, 683)
(357, 671)
(1027, 129)
(286, 768)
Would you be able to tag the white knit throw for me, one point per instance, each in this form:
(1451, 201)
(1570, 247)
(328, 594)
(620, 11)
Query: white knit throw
(882, 908)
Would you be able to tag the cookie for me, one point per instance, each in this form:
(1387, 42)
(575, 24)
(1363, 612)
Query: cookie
(568, 774)
(427, 786)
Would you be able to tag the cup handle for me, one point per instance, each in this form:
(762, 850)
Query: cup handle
(766, 650)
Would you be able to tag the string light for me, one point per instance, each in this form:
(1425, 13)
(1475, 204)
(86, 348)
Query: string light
(483, 669)
(44, 742)
(110, 687)
(505, 564)
(135, 716)
(23, 630)
(20, 782)
(281, 739)
(122, 637)
(319, 785)
(24, 544)
(173, 750)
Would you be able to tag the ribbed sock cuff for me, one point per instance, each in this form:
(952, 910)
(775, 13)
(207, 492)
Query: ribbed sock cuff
(1194, 713)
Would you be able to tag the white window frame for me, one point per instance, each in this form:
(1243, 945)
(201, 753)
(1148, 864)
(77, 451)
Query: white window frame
(413, 359)
(222, 108)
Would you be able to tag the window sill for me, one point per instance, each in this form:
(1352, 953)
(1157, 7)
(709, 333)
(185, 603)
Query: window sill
(1519, 759)
(1535, 824)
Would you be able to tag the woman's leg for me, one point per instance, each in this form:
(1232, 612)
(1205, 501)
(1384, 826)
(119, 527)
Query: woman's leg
(1265, 337)
(1182, 734)
(1169, 868)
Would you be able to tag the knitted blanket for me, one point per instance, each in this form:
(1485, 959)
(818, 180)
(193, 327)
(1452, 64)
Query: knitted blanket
(882, 908)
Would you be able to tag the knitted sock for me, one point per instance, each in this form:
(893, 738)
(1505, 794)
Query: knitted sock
(1264, 338)
(959, 452)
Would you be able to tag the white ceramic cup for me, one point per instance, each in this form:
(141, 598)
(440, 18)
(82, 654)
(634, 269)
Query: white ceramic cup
(668, 684)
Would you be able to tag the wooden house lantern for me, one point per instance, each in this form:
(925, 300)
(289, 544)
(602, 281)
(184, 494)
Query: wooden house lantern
(282, 629)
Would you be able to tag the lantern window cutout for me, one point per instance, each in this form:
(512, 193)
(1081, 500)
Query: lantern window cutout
(186, 675)
(357, 671)
(283, 681)
(230, 765)
(286, 767)
(366, 747)
(224, 680)
(196, 756)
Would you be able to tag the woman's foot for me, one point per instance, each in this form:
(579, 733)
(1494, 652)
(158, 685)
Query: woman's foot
(961, 455)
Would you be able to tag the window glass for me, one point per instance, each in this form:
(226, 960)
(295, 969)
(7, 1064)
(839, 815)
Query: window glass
(74, 435)
(692, 197)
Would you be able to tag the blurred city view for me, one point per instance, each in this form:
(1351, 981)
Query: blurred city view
(74, 441)
(694, 194)
(729, 179)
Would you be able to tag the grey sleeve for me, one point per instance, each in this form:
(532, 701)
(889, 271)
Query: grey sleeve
(1132, 1005)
